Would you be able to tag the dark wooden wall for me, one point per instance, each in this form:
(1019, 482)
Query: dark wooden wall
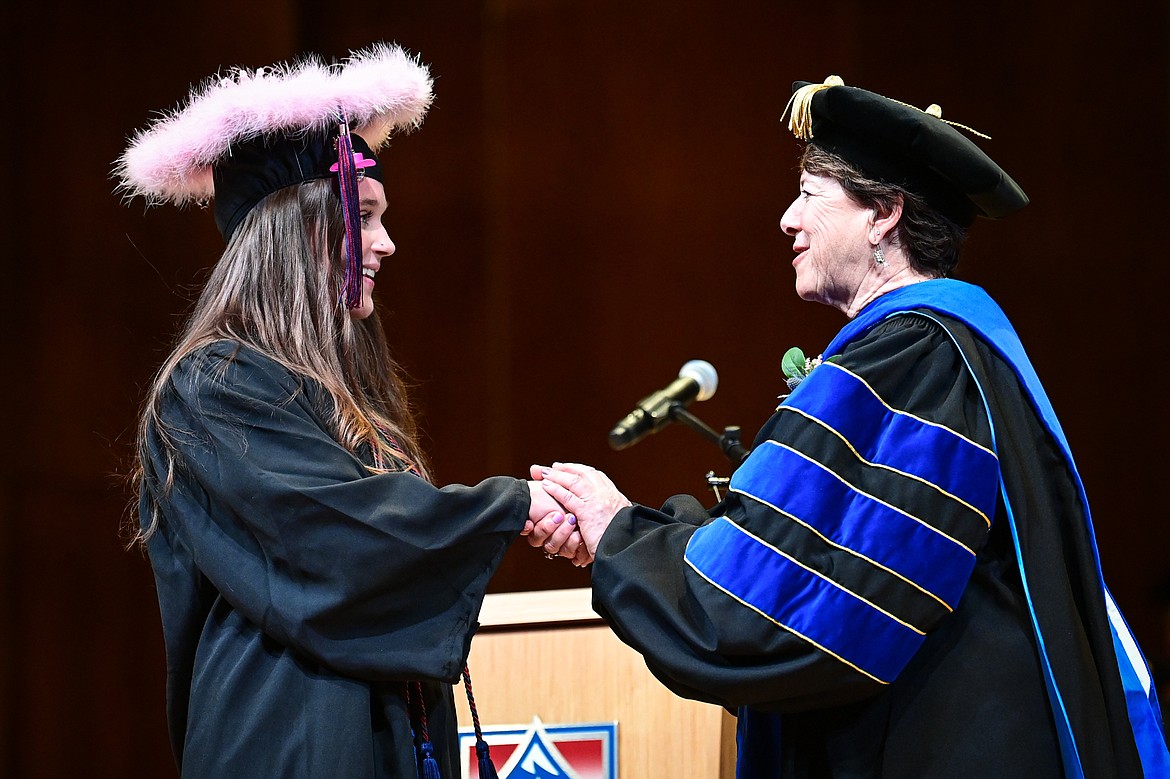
(592, 201)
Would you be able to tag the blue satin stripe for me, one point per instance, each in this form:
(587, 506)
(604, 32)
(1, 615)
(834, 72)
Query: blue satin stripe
(885, 436)
(810, 605)
(815, 496)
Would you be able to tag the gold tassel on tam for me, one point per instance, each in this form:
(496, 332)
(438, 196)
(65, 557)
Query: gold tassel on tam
(800, 123)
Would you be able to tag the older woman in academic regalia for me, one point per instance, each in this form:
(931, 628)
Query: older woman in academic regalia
(902, 581)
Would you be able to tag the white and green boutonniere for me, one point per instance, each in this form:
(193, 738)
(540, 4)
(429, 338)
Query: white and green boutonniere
(797, 367)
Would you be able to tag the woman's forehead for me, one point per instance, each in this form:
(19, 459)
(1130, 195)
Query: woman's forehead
(370, 189)
(818, 180)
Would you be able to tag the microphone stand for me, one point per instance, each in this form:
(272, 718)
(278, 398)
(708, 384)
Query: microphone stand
(728, 441)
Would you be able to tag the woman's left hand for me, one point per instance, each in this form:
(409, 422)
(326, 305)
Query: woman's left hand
(550, 528)
(558, 535)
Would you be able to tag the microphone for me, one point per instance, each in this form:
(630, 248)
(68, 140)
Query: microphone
(696, 381)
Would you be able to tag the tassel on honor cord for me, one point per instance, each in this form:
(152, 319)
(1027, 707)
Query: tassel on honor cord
(487, 769)
(416, 709)
(425, 750)
(430, 765)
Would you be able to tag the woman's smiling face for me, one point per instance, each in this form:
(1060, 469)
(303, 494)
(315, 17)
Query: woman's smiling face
(376, 243)
(829, 231)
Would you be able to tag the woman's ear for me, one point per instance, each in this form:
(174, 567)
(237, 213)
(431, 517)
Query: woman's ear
(885, 222)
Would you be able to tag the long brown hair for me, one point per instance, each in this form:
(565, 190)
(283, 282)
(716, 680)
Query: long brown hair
(276, 289)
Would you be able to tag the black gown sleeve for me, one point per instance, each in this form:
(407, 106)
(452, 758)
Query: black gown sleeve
(848, 535)
(373, 576)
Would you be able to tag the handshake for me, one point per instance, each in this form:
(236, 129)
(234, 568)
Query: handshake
(572, 505)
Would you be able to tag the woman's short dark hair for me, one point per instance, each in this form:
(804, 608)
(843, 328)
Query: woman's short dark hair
(930, 240)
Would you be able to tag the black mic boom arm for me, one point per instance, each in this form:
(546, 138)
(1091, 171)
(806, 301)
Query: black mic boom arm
(728, 440)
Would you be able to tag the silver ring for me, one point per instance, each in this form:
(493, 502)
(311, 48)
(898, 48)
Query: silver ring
(549, 556)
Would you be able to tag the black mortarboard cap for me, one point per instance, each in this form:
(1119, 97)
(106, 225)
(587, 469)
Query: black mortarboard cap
(258, 167)
(902, 145)
(242, 135)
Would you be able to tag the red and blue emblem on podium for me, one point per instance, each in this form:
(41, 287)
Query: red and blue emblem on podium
(540, 751)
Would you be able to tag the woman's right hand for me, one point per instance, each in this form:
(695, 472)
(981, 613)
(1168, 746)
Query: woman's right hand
(587, 493)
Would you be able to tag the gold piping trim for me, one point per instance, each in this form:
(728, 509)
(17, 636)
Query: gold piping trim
(837, 476)
(833, 582)
(889, 468)
(853, 552)
(952, 431)
(781, 625)
(935, 110)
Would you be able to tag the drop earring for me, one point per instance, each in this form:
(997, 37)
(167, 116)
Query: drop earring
(879, 257)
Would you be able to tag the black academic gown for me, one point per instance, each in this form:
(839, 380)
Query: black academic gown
(299, 592)
(966, 696)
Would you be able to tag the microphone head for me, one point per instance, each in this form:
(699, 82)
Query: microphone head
(703, 373)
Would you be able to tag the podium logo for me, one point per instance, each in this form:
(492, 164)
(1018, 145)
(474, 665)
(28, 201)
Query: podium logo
(540, 751)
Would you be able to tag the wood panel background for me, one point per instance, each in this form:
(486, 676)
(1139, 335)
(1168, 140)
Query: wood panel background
(592, 201)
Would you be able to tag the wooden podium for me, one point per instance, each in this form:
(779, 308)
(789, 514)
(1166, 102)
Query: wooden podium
(547, 654)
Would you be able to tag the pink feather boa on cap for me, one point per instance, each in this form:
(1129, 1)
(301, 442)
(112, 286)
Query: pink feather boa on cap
(381, 89)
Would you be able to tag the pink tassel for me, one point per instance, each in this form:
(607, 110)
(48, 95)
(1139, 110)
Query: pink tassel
(351, 213)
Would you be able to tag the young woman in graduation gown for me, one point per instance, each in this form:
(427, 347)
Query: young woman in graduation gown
(318, 592)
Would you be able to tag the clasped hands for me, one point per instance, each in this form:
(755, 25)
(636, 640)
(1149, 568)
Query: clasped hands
(572, 505)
